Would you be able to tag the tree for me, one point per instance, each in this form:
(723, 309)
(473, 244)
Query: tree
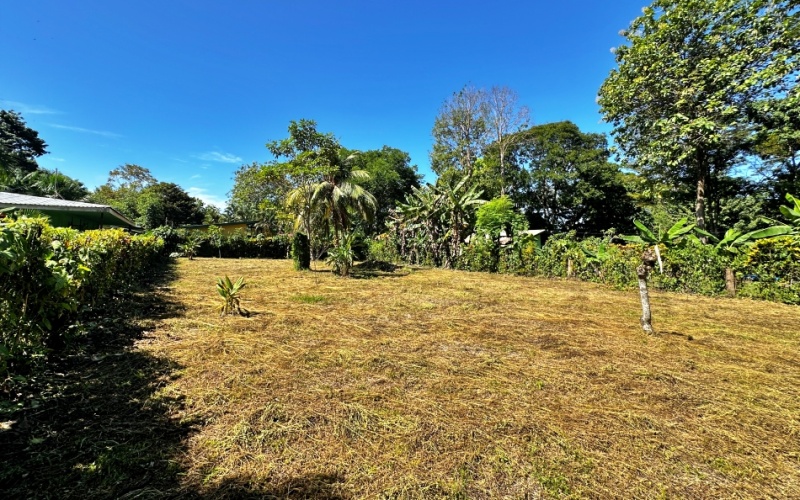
(167, 204)
(678, 100)
(566, 180)
(322, 190)
(777, 143)
(259, 194)
(504, 117)
(19, 144)
(460, 133)
(391, 178)
(434, 221)
(54, 184)
(338, 196)
(123, 189)
(133, 191)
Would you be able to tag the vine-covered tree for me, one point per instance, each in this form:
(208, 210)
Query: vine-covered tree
(679, 98)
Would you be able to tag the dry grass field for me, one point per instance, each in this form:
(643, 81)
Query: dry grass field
(429, 383)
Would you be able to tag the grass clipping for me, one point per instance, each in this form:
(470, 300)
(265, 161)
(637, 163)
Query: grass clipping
(435, 383)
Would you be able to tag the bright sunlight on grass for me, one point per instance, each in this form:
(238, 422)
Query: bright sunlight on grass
(432, 383)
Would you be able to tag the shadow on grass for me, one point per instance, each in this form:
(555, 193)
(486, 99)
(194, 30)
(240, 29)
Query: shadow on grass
(91, 425)
(378, 269)
(318, 487)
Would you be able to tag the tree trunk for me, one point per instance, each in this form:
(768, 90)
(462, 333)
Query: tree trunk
(641, 272)
(569, 268)
(730, 282)
(700, 204)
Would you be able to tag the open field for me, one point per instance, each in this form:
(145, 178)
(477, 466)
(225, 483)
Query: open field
(430, 383)
(444, 383)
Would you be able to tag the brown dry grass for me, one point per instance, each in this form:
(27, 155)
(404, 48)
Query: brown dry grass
(433, 383)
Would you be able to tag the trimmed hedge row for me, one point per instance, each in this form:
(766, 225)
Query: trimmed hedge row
(769, 269)
(237, 245)
(50, 276)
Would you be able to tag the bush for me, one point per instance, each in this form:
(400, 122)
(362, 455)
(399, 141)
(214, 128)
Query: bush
(770, 270)
(482, 254)
(382, 249)
(49, 276)
(239, 245)
(301, 252)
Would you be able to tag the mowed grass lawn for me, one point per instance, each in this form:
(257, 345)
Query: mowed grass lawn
(431, 383)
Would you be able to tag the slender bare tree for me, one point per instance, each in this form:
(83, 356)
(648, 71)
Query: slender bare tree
(504, 117)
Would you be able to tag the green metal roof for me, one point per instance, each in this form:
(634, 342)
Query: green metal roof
(65, 213)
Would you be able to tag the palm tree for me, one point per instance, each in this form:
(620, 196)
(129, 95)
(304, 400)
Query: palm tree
(338, 197)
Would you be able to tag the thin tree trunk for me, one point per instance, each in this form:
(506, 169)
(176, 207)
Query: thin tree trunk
(642, 272)
(647, 319)
(700, 203)
(730, 282)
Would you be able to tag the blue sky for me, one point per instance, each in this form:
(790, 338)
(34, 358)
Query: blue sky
(192, 89)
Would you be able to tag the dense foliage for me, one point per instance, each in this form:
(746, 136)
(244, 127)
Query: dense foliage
(49, 277)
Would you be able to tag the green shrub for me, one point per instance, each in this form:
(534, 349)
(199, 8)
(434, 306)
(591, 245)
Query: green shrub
(301, 252)
(770, 270)
(49, 276)
(383, 249)
(340, 257)
(481, 254)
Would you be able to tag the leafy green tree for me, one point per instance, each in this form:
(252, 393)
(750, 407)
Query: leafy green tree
(679, 98)
(566, 181)
(310, 156)
(132, 190)
(777, 143)
(391, 178)
(174, 205)
(259, 194)
(498, 215)
(214, 235)
(123, 189)
(19, 144)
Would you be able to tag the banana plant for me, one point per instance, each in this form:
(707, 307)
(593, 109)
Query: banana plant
(734, 240)
(678, 234)
(792, 213)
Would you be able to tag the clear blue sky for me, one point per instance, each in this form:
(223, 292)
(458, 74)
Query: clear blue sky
(192, 89)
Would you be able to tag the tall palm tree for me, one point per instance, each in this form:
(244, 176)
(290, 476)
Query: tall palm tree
(339, 197)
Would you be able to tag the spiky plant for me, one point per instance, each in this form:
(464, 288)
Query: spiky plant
(229, 291)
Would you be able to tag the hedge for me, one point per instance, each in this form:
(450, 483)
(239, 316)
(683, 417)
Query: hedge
(769, 269)
(50, 276)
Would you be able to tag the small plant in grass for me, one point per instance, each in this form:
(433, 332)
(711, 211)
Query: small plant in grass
(229, 291)
(341, 256)
(191, 244)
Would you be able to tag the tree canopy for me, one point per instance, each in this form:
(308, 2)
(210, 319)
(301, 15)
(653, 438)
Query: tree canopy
(19, 144)
(565, 180)
(680, 96)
